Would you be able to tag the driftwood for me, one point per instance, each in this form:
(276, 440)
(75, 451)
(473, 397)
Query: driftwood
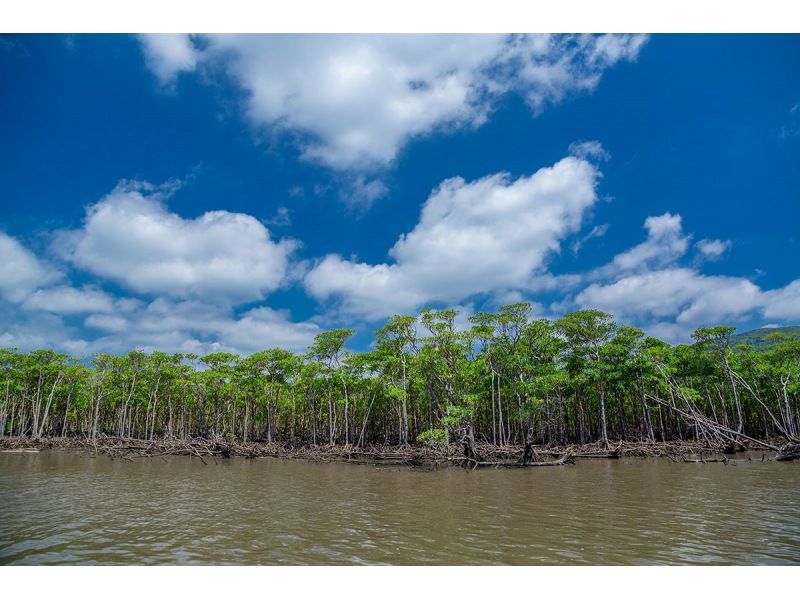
(568, 458)
(789, 452)
(565, 459)
(710, 427)
(736, 441)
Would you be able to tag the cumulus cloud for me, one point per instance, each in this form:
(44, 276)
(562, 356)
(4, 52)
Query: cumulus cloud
(21, 272)
(673, 302)
(107, 322)
(164, 325)
(198, 327)
(266, 327)
(712, 249)
(488, 239)
(52, 318)
(488, 235)
(69, 300)
(131, 237)
(168, 54)
(27, 332)
(353, 101)
(783, 303)
(647, 286)
(198, 269)
(665, 244)
(682, 293)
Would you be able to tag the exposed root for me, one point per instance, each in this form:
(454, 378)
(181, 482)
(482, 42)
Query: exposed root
(468, 453)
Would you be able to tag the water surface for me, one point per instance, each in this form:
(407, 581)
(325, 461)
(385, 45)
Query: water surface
(59, 508)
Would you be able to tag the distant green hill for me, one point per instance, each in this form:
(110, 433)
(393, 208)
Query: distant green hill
(757, 338)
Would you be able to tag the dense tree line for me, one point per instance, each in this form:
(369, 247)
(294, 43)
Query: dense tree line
(580, 379)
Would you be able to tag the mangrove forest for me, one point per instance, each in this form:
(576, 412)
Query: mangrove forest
(508, 380)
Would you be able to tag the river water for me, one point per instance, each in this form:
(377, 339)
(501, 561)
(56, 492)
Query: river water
(60, 508)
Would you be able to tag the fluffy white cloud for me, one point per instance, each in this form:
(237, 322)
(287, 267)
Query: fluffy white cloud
(673, 302)
(21, 272)
(168, 54)
(130, 237)
(27, 332)
(163, 315)
(107, 322)
(263, 327)
(681, 293)
(69, 300)
(665, 244)
(197, 327)
(645, 286)
(492, 234)
(783, 303)
(491, 237)
(353, 101)
(712, 249)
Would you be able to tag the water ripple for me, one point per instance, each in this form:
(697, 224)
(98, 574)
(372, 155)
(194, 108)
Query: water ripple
(68, 509)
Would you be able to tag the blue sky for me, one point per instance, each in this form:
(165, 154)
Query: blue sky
(200, 193)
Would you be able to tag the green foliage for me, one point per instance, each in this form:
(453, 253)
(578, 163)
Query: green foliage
(435, 437)
(716, 338)
(581, 378)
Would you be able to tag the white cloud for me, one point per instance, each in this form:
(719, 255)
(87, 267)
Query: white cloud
(130, 237)
(665, 244)
(597, 231)
(21, 272)
(645, 286)
(363, 193)
(354, 101)
(783, 303)
(712, 249)
(107, 322)
(547, 68)
(682, 296)
(489, 235)
(194, 326)
(589, 150)
(263, 327)
(26, 333)
(164, 315)
(168, 54)
(69, 300)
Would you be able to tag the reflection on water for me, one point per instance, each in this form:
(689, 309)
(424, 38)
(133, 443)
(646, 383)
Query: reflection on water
(67, 508)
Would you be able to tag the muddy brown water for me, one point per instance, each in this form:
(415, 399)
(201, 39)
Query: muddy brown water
(66, 508)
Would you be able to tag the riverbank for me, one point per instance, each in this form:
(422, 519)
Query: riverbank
(484, 455)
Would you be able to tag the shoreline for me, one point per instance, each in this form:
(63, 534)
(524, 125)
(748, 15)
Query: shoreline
(383, 455)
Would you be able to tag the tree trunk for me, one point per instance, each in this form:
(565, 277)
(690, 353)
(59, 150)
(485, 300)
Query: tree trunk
(603, 431)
